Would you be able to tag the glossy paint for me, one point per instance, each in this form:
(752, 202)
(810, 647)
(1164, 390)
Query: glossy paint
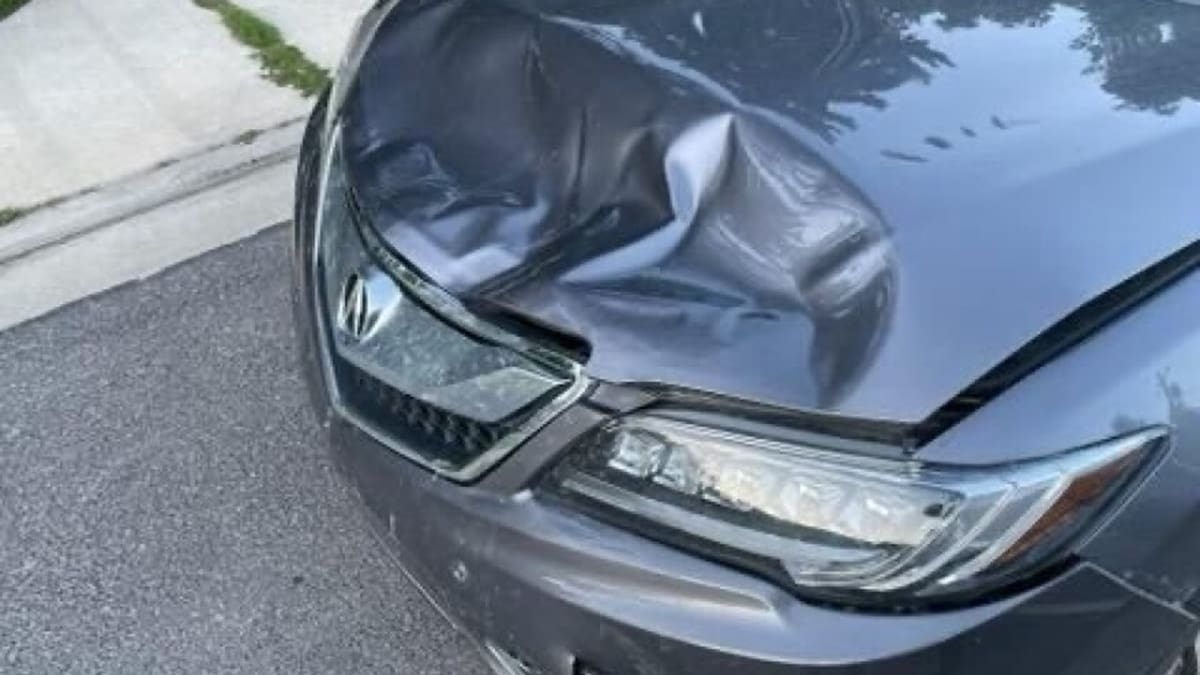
(559, 589)
(849, 207)
(838, 206)
(1144, 370)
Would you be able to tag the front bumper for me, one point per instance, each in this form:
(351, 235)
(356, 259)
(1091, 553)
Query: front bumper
(560, 592)
(567, 595)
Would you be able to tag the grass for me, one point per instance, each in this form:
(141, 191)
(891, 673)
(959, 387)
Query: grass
(8, 215)
(281, 62)
(247, 137)
(7, 7)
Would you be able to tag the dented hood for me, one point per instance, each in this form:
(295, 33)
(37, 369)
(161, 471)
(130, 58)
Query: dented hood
(847, 206)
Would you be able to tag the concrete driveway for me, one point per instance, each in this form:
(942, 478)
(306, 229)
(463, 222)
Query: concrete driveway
(93, 91)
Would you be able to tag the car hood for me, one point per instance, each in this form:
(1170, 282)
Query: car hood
(851, 207)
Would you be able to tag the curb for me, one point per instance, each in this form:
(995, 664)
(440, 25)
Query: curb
(168, 182)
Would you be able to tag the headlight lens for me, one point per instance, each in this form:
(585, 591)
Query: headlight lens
(409, 364)
(847, 525)
(383, 330)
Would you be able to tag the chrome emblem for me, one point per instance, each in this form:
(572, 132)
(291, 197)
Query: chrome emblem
(354, 312)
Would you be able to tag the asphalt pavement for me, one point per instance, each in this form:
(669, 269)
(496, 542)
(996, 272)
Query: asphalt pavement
(166, 503)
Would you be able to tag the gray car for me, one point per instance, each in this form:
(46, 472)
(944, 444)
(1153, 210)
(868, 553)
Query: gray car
(770, 336)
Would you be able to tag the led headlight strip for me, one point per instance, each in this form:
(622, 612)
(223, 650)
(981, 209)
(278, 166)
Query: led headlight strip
(838, 521)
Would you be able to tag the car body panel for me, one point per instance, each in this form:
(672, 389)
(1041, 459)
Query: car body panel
(554, 587)
(1141, 371)
(841, 209)
(850, 208)
(558, 588)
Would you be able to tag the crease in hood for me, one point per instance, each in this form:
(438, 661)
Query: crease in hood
(710, 195)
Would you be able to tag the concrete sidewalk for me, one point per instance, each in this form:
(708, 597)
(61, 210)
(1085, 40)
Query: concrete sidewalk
(95, 91)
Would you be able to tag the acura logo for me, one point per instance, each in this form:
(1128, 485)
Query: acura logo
(354, 313)
(368, 296)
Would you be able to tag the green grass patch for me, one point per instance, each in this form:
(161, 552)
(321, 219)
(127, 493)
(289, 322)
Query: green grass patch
(8, 215)
(247, 137)
(282, 63)
(13, 213)
(7, 7)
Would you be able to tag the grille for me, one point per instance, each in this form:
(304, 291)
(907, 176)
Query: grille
(413, 367)
(437, 435)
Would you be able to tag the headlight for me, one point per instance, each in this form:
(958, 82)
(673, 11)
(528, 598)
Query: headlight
(347, 70)
(848, 526)
(408, 364)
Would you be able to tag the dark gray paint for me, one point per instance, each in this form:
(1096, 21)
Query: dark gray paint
(850, 207)
(652, 176)
(1143, 370)
(554, 586)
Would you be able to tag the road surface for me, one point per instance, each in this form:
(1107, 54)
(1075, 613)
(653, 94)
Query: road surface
(166, 505)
